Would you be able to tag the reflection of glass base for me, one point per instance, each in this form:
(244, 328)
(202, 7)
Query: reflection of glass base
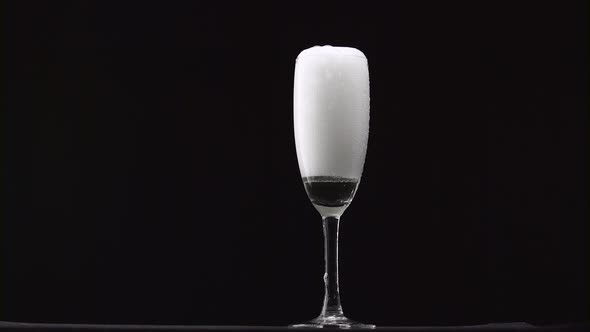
(339, 322)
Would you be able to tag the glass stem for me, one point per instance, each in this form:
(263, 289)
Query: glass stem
(332, 306)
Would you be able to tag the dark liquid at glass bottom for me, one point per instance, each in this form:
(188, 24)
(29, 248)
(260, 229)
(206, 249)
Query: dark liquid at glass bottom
(331, 191)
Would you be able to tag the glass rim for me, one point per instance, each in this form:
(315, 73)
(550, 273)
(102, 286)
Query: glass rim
(320, 55)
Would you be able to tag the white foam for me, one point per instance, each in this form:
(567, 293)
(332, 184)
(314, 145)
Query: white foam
(331, 111)
(328, 50)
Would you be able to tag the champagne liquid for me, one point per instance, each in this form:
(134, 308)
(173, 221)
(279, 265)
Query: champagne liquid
(330, 191)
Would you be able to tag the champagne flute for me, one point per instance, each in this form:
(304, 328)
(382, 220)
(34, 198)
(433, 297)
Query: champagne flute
(331, 120)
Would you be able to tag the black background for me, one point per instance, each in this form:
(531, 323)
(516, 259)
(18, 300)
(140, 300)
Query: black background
(150, 171)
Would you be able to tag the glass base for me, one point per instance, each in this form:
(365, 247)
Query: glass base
(339, 322)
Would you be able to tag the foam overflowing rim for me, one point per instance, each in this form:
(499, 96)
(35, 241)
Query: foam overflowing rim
(323, 51)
